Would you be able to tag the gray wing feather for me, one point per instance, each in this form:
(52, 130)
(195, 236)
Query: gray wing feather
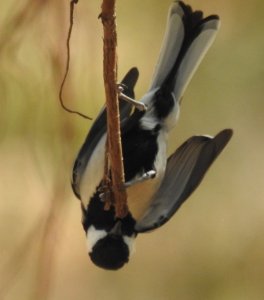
(98, 130)
(185, 170)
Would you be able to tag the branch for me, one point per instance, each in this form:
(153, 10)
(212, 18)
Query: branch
(72, 3)
(113, 121)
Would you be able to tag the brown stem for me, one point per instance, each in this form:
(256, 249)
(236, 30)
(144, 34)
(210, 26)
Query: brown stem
(72, 3)
(113, 122)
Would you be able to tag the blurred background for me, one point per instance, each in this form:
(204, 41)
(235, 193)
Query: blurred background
(213, 248)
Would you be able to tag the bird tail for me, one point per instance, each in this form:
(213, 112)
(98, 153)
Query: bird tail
(188, 37)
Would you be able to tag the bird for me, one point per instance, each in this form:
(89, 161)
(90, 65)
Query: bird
(156, 185)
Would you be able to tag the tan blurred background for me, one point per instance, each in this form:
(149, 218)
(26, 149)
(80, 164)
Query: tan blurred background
(213, 248)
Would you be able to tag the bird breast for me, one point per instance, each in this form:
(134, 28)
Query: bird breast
(140, 194)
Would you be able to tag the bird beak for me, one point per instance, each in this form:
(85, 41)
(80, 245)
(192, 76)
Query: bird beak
(116, 230)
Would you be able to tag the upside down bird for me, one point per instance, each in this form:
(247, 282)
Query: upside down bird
(156, 186)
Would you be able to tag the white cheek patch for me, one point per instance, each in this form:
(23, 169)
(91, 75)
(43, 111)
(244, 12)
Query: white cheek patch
(93, 236)
(130, 243)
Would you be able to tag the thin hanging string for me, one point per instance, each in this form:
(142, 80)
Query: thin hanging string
(68, 64)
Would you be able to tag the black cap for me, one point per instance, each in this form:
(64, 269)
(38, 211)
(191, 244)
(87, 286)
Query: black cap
(110, 253)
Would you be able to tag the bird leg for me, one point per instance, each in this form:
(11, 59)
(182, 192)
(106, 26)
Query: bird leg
(146, 176)
(138, 105)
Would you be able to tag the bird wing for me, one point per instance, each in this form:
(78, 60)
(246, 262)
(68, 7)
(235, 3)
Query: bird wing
(96, 136)
(185, 170)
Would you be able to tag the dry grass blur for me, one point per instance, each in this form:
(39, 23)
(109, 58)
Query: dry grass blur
(213, 248)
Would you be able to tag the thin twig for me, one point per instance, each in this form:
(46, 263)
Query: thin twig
(68, 64)
(113, 122)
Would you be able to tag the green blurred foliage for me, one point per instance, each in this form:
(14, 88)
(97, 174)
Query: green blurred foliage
(213, 248)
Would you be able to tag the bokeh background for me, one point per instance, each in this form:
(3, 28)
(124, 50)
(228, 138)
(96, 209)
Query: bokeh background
(213, 248)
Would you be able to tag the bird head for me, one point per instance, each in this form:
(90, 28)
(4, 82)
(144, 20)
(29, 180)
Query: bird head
(110, 249)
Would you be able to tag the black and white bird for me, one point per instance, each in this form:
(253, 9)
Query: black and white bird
(156, 186)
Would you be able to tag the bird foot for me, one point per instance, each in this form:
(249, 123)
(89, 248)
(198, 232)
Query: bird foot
(146, 176)
(138, 105)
